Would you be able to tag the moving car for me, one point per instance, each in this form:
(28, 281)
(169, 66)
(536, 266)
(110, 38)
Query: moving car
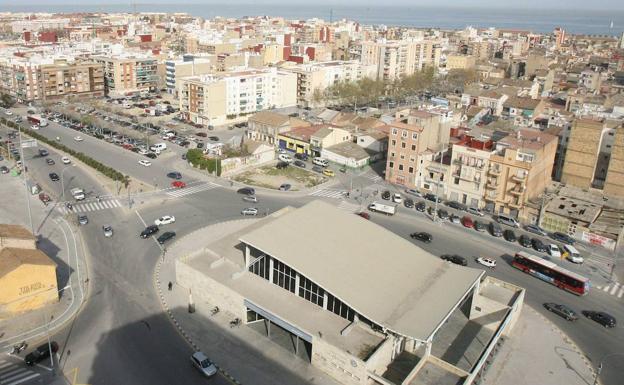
(328, 172)
(475, 211)
(203, 364)
(246, 191)
(43, 152)
(606, 320)
(54, 176)
(535, 229)
(164, 237)
(43, 351)
(83, 220)
(456, 259)
(108, 231)
(564, 238)
(443, 214)
(422, 236)
(538, 245)
(149, 230)
(573, 254)
(285, 187)
(164, 220)
(78, 138)
(250, 211)
(50, 162)
(467, 222)
(561, 310)
(145, 163)
(151, 155)
(525, 241)
(250, 198)
(509, 235)
(178, 184)
(4, 170)
(65, 160)
(454, 219)
(554, 251)
(487, 262)
(174, 175)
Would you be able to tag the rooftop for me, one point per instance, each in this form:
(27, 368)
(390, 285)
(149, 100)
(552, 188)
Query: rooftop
(11, 258)
(15, 231)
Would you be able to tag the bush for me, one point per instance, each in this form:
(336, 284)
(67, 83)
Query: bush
(196, 158)
(106, 170)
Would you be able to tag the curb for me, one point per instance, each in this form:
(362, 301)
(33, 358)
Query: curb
(570, 341)
(175, 322)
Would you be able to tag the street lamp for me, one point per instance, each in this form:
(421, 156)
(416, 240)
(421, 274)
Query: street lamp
(599, 370)
(62, 185)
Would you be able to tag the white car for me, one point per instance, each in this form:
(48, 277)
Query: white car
(78, 138)
(281, 151)
(34, 127)
(250, 211)
(145, 163)
(285, 158)
(65, 160)
(250, 198)
(108, 231)
(396, 198)
(167, 219)
(7, 112)
(554, 251)
(475, 211)
(203, 364)
(487, 262)
(413, 192)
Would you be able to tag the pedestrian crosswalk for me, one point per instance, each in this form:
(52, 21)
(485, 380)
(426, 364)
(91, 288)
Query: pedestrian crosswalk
(178, 193)
(329, 193)
(350, 207)
(89, 206)
(615, 289)
(15, 373)
(372, 175)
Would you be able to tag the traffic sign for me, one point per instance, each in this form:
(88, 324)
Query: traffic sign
(29, 143)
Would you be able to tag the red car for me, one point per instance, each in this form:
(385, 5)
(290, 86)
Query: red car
(45, 198)
(178, 184)
(467, 222)
(364, 215)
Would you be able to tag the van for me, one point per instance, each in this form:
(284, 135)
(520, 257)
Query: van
(573, 254)
(320, 162)
(158, 147)
(507, 220)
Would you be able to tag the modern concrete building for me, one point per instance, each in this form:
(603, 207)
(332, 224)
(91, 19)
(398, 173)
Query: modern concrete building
(355, 300)
(63, 78)
(129, 75)
(177, 69)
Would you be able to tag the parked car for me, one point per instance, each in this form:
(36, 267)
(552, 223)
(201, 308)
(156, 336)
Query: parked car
(509, 235)
(535, 229)
(479, 226)
(432, 197)
(454, 219)
(43, 152)
(318, 169)
(203, 364)
(164, 220)
(564, 238)
(328, 172)
(397, 198)
(487, 262)
(495, 229)
(149, 231)
(409, 203)
(299, 163)
(45, 198)
(467, 222)
(554, 251)
(285, 187)
(301, 156)
(246, 191)
(82, 219)
(285, 158)
(214, 138)
(411, 191)
(385, 195)
(164, 237)
(456, 205)
(525, 241)
(443, 214)
(4, 170)
(174, 175)
(151, 155)
(54, 176)
(108, 231)
(43, 351)
(364, 215)
(456, 259)
(250, 211)
(538, 245)
(475, 211)
(422, 236)
(561, 310)
(421, 207)
(78, 138)
(605, 319)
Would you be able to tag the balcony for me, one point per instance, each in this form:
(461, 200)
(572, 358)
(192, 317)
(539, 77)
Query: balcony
(491, 185)
(515, 204)
(494, 171)
(518, 178)
(517, 191)
(490, 197)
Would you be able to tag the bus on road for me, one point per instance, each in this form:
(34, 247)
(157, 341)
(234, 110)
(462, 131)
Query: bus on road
(551, 273)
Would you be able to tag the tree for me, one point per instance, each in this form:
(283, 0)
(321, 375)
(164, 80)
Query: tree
(7, 101)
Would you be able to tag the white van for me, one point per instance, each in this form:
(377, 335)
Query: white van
(573, 254)
(507, 220)
(320, 162)
(158, 147)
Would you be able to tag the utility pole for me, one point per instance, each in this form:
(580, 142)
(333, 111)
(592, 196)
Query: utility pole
(32, 228)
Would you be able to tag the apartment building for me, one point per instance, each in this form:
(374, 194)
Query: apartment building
(614, 184)
(470, 160)
(177, 69)
(214, 99)
(461, 62)
(316, 77)
(129, 75)
(398, 58)
(519, 171)
(82, 79)
(20, 79)
(582, 152)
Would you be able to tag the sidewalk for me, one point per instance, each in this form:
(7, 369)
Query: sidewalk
(538, 344)
(241, 354)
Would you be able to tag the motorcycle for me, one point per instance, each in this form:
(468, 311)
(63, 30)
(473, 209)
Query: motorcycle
(17, 349)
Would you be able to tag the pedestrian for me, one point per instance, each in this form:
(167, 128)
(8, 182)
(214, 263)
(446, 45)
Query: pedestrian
(170, 285)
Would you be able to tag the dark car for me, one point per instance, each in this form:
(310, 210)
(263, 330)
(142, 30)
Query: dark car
(202, 134)
(200, 145)
(509, 235)
(385, 195)
(432, 197)
(525, 241)
(495, 229)
(281, 165)
(538, 245)
(149, 230)
(561, 310)
(443, 214)
(409, 203)
(4, 170)
(246, 191)
(364, 215)
(422, 236)
(50, 161)
(174, 175)
(535, 229)
(214, 138)
(317, 169)
(301, 156)
(43, 152)
(479, 226)
(456, 205)
(601, 317)
(83, 220)
(285, 187)
(54, 176)
(456, 259)
(421, 206)
(151, 155)
(561, 237)
(41, 353)
(299, 163)
(164, 237)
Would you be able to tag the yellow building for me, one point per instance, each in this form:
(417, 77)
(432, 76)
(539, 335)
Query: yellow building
(461, 62)
(297, 139)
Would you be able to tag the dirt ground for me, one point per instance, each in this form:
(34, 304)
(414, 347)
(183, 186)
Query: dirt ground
(273, 178)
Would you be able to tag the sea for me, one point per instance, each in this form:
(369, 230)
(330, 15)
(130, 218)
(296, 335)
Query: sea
(591, 22)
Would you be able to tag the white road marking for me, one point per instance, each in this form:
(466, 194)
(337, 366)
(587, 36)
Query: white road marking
(328, 193)
(192, 190)
(606, 289)
(614, 289)
(10, 372)
(621, 293)
(34, 375)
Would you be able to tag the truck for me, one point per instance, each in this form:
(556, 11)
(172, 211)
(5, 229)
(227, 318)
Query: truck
(382, 208)
(38, 120)
(77, 193)
(33, 187)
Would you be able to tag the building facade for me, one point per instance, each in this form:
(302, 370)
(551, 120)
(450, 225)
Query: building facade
(129, 75)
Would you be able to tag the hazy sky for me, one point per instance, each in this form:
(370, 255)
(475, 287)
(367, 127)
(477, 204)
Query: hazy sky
(565, 4)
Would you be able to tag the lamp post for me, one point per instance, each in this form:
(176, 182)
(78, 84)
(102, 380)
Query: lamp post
(599, 369)
(19, 129)
(62, 184)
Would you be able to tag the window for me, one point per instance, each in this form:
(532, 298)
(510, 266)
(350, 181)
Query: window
(413, 147)
(391, 164)
(403, 145)
(411, 170)
(284, 276)
(404, 134)
(414, 136)
(400, 167)
(337, 307)
(311, 291)
(456, 181)
(395, 131)
(261, 266)
(393, 142)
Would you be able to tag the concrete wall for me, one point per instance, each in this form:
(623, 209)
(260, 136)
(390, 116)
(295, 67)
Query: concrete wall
(27, 288)
(379, 361)
(342, 366)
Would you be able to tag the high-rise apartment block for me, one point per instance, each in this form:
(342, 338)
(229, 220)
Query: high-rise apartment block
(129, 75)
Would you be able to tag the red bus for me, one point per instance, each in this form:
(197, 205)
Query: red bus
(551, 273)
